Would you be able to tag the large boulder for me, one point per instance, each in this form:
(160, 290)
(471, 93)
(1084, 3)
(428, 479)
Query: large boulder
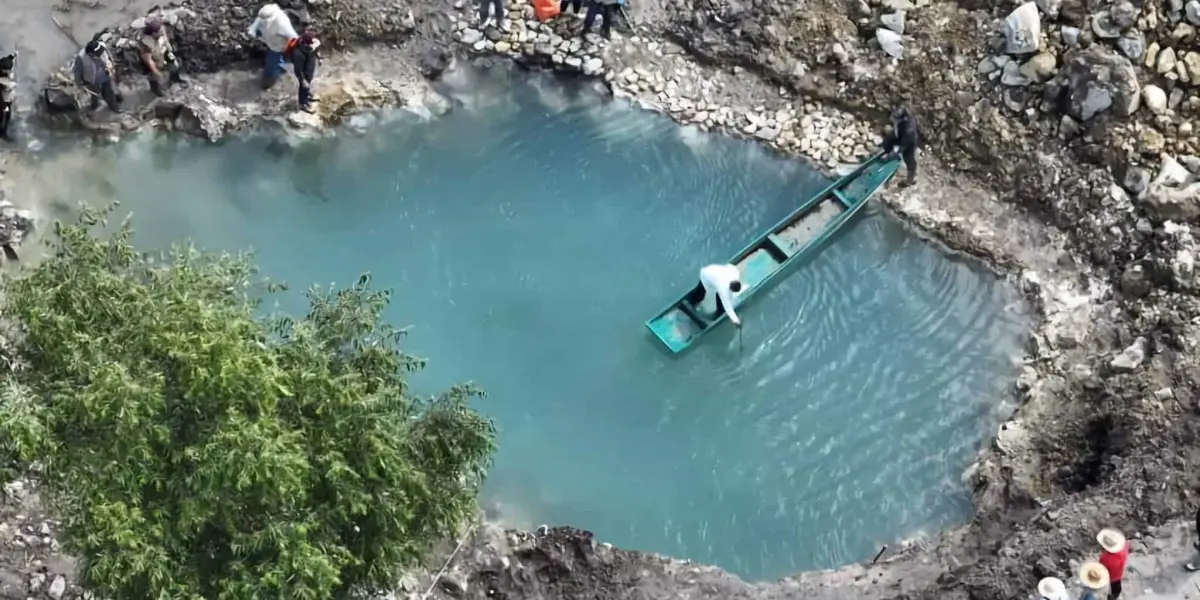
(1022, 29)
(1094, 81)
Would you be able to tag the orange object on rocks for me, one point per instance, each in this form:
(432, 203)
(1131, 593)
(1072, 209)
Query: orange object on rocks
(545, 10)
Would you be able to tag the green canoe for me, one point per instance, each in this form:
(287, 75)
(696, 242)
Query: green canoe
(793, 240)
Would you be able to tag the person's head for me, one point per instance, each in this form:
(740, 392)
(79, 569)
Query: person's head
(308, 38)
(269, 11)
(154, 28)
(735, 286)
(1052, 588)
(901, 114)
(1111, 540)
(93, 48)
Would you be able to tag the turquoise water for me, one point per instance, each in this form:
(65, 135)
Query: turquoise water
(529, 233)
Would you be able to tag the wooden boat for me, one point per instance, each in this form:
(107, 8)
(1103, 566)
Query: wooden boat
(794, 239)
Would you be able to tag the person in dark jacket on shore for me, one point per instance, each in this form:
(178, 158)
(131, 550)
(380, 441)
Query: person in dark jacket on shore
(305, 58)
(904, 135)
(95, 72)
(8, 91)
(607, 11)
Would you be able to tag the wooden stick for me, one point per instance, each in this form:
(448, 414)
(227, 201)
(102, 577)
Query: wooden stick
(879, 554)
(63, 28)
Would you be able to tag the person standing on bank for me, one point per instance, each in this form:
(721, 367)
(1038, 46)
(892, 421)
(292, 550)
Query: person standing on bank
(1114, 554)
(721, 284)
(607, 10)
(905, 135)
(8, 91)
(274, 27)
(305, 59)
(497, 14)
(157, 54)
(94, 71)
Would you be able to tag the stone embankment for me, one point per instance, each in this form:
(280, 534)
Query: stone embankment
(1061, 139)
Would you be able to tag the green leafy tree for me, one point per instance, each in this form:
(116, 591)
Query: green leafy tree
(194, 450)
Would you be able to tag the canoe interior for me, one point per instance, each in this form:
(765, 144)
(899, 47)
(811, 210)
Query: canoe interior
(814, 222)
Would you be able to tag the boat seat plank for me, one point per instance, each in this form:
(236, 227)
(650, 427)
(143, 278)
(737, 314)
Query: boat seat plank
(843, 199)
(786, 250)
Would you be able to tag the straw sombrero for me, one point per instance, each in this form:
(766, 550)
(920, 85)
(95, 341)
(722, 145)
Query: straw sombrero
(1053, 588)
(1111, 540)
(1093, 575)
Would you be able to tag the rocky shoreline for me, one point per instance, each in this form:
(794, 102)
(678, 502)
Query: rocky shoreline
(1056, 176)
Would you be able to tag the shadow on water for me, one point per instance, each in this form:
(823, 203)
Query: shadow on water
(529, 234)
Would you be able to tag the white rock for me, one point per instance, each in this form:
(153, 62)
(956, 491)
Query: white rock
(1192, 11)
(1023, 29)
(57, 588)
(1070, 35)
(1130, 358)
(1166, 61)
(592, 66)
(1155, 98)
(470, 36)
(890, 42)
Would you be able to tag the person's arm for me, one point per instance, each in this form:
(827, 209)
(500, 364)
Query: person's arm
(255, 30)
(889, 142)
(727, 303)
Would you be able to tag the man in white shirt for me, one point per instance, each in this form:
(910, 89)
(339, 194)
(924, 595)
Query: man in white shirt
(274, 27)
(721, 283)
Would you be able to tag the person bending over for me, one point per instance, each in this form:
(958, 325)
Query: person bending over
(721, 283)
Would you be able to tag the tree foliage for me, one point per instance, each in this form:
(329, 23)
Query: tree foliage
(194, 450)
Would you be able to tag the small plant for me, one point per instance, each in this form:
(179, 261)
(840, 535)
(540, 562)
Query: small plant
(194, 450)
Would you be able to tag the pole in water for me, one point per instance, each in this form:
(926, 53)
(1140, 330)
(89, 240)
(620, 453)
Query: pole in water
(740, 347)
(879, 554)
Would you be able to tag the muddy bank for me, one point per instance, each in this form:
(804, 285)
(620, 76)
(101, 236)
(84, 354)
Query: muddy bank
(1063, 190)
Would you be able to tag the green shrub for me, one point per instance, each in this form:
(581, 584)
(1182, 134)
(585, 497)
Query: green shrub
(194, 450)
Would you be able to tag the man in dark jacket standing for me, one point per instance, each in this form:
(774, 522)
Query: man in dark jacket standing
(906, 135)
(8, 91)
(304, 59)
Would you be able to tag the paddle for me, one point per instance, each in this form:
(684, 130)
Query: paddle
(740, 347)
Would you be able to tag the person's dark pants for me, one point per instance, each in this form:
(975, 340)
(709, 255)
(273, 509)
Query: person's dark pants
(497, 7)
(575, 6)
(1114, 590)
(910, 162)
(6, 113)
(306, 96)
(174, 74)
(605, 11)
(107, 92)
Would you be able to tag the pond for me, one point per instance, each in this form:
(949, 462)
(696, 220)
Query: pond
(530, 232)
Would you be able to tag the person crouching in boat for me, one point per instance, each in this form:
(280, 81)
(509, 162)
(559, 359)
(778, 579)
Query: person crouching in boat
(721, 283)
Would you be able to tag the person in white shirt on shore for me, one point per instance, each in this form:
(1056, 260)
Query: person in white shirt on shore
(721, 284)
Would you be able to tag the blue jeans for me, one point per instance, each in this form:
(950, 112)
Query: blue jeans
(1088, 596)
(274, 67)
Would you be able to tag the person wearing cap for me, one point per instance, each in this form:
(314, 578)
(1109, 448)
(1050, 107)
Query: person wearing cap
(94, 71)
(158, 54)
(8, 91)
(274, 27)
(305, 59)
(1114, 554)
